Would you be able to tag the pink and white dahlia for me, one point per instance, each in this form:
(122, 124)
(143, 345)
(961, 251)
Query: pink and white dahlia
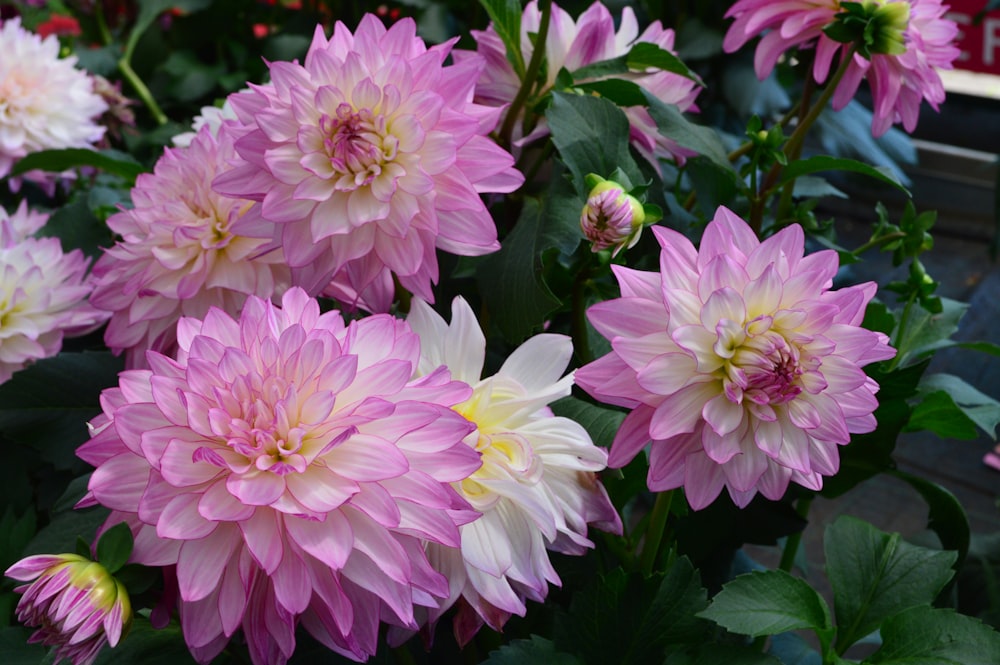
(45, 102)
(739, 363)
(900, 78)
(292, 470)
(574, 44)
(368, 157)
(43, 293)
(76, 604)
(536, 488)
(179, 253)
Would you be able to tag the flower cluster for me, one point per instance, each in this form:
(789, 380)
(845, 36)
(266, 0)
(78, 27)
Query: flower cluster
(291, 469)
(914, 42)
(365, 159)
(45, 102)
(738, 363)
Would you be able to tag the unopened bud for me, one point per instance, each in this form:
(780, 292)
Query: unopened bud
(611, 217)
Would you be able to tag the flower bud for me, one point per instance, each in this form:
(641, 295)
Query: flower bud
(77, 605)
(611, 217)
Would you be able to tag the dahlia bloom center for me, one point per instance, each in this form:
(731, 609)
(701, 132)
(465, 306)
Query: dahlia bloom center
(756, 361)
(358, 147)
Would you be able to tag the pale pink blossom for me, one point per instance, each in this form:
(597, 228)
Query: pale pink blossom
(76, 604)
(45, 101)
(368, 157)
(899, 82)
(738, 363)
(179, 252)
(536, 488)
(573, 44)
(43, 293)
(292, 470)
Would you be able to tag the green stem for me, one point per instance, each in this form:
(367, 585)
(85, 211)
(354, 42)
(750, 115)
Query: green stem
(102, 24)
(654, 531)
(140, 89)
(578, 324)
(528, 83)
(793, 147)
(794, 540)
(794, 144)
(878, 242)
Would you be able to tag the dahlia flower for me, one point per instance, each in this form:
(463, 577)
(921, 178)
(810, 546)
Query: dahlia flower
(292, 470)
(739, 363)
(43, 293)
(899, 78)
(179, 254)
(76, 604)
(45, 102)
(536, 488)
(370, 153)
(574, 44)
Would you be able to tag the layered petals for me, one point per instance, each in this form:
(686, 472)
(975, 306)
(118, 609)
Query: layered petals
(743, 371)
(291, 469)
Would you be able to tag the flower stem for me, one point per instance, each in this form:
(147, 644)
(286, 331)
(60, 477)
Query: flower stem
(794, 144)
(578, 324)
(793, 147)
(530, 74)
(878, 242)
(140, 89)
(654, 531)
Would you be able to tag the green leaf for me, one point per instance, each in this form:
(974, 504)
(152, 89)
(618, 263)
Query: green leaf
(17, 532)
(591, 135)
(875, 575)
(644, 55)
(629, 618)
(15, 648)
(56, 161)
(506, 18)
(77, 227)
(600, 422)
(47, 405)
(534, 651)
(672, 124)
(713, 184)
(821, 163)
(977, 407)
(947, 517)
(149, 646)
(115, 547)
(926, 332)
(510, 280)
(928, 636)
(938, 413)
(619, 91)
(768, 603)
(60, 535)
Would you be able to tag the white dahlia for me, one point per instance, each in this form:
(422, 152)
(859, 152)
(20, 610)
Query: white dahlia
(45, 101)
